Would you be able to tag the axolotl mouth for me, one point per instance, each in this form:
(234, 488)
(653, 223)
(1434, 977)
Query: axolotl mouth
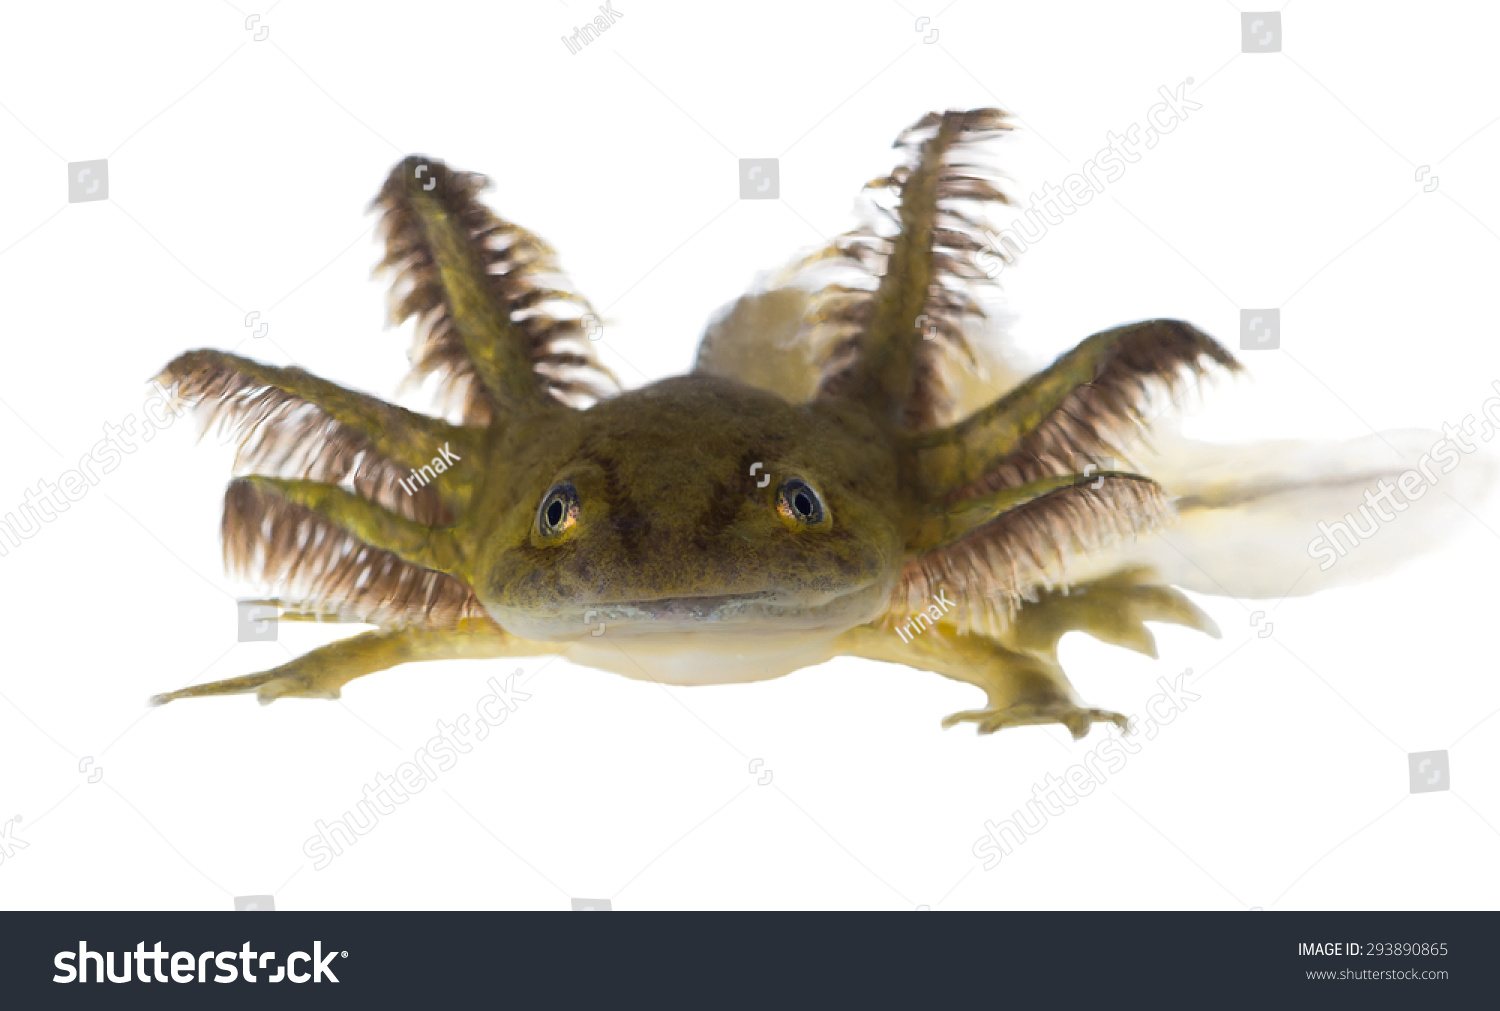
(742, 614)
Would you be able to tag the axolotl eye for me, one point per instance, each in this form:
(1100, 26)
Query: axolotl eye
(558, 511)
(799, 504)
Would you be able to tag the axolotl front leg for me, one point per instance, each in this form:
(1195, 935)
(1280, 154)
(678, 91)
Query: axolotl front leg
(1021, 688)
(1019, 672)
(322, 673)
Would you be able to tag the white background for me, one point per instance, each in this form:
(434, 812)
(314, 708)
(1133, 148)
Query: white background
(239, 174)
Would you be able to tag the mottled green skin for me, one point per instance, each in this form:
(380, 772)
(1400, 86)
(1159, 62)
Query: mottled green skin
(670, 511)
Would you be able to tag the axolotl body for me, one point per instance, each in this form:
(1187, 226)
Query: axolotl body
(816, 487)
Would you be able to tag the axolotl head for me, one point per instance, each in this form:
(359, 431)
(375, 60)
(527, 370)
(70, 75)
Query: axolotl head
(693, 506)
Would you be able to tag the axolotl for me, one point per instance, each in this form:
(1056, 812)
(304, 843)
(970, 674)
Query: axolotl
(824, 482)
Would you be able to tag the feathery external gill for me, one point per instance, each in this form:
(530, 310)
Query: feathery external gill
(292, 424)
(993, 564)
(496, 320)
(325, 567)
(1072, 413)
(885, 345)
